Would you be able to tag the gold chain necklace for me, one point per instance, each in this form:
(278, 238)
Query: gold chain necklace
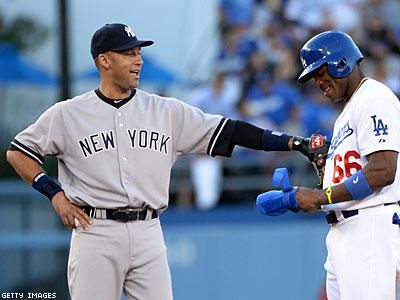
(361, 82)
(358, 86)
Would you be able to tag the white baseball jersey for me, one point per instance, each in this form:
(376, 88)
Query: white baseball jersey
(369, 122)
(119, 157)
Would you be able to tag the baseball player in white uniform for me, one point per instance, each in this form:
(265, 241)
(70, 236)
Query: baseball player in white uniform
(116, 146)
(361, 187)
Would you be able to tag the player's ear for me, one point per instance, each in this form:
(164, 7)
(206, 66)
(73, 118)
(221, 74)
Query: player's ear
(102, 61)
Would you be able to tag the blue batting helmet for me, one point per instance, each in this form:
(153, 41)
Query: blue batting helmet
(335, 49)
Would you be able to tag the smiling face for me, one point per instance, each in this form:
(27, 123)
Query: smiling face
(120, 71)
(336, 89)
(125, 68)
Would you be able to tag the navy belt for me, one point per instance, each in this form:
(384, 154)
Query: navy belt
(332, 219)
(122, 214)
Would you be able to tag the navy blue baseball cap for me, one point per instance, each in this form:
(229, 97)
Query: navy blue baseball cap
(115, 37)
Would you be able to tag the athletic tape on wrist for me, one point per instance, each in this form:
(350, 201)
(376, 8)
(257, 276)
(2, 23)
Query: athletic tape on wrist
(275, 141)
(45, 185)
(357, 185)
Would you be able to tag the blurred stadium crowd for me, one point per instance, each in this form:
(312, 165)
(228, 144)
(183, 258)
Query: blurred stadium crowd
(258, 64)
(259, 45)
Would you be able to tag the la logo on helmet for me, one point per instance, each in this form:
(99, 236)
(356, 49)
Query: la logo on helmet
(129, 31)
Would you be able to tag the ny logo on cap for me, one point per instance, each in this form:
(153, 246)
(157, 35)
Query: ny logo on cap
(129, 31)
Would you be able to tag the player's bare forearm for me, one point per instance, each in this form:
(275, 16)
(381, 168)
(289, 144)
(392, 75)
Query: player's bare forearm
(379, 172)
(26, 167)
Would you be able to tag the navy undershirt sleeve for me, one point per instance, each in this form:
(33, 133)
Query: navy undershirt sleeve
(236, 132)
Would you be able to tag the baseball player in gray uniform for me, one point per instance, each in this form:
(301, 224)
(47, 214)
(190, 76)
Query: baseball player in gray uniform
(115, 147)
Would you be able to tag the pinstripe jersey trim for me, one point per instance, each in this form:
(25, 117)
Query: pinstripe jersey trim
(214, 138)
(15, 145)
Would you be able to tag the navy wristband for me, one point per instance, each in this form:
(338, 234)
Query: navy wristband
(45, 185)
(275, 141)
(357, 185)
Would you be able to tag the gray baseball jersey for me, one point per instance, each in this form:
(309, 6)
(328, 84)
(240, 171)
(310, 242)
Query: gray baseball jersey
(117, 157)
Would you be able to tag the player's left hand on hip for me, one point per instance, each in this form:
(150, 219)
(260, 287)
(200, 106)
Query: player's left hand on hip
(70, 213)
(275, 203)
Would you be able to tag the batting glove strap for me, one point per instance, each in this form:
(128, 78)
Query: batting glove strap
(302, 145)
(275, 141)
(289, 198)
(45, 185)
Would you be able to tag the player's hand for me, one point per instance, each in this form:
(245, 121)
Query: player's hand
(309, 199)
(69, 212)
(315, 148)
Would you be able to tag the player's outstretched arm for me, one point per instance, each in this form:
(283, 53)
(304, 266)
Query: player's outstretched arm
(28, 169)
(240, 133)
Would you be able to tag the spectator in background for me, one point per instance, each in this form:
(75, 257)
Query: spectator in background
(385, 72)
(220, 96)
(229, 57)
(259, 99)
(382, 46)
(271, 99)
(381, 39)
(324, 14)
(316, 113)
(388, 10)
(237, 12)
(256, 65)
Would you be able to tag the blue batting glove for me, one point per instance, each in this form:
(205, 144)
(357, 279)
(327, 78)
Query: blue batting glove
(275, 203)
(281, 179)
